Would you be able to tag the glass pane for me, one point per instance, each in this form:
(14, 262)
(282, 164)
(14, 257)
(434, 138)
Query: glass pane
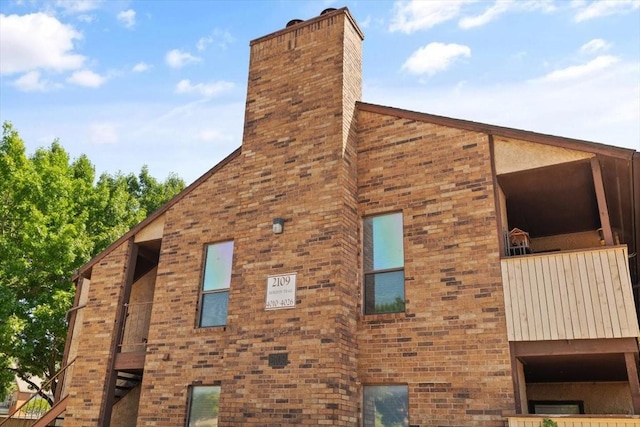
(384, 292)
(214, 309)
(386, 406)
(383, 242)
(204, 406)
(217, 270)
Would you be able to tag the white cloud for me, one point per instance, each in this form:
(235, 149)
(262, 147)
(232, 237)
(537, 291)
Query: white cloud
(34, 41)
(86, 18)
(579, 71)
(545, 6)
(498, 8)
(503, 6)
(595, 45)
(597, 9)
(204, 89)
(78, 6)
(366, 22)
(203, 42)
(220, 38)
(103, 133)
(128, 18)
(178, 59)
(435, 57)
(87, 78)
(209, 135)
(31, 82)
(140, 67)
(414, 15)
(581, 108)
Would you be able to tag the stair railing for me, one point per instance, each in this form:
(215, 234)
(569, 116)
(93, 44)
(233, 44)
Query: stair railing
(16, 413)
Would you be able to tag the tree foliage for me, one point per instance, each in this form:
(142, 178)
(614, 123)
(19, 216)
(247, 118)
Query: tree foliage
(54, 216)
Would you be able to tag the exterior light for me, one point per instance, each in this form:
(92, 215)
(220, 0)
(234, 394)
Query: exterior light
(278, 225)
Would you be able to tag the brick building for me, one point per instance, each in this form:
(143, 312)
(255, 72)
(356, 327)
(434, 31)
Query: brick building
(352, 264)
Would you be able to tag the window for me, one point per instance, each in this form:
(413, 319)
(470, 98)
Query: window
(556, 407)
(386, 406)
(203, 406)
(383, 264)
(215, 284)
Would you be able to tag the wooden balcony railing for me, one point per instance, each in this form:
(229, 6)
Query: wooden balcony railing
(583, 294)
(136, 327)
(575, 420)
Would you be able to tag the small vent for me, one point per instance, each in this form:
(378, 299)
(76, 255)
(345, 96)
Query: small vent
(278, 360)
(293, 22)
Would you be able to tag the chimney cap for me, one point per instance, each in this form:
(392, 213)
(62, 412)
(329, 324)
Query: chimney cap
(293, 22)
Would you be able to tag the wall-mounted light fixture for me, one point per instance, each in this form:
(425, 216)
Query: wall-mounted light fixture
(278, 225)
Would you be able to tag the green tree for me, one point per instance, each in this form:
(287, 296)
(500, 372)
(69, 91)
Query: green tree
(53, 219)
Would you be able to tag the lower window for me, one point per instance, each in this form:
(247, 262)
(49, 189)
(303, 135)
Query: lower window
(203, 406)
(384, 292)
(556, 407)
(386, 406)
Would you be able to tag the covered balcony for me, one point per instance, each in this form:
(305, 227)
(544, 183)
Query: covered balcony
(570, 279)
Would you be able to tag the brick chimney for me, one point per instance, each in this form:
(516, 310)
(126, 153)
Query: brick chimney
(304, 81)
(298, 164)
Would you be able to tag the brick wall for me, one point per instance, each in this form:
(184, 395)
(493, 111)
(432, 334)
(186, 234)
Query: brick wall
(296, 163)
(310, 157)
(450, 347)
(87, 390)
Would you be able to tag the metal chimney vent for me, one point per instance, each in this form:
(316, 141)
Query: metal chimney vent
(293, 22)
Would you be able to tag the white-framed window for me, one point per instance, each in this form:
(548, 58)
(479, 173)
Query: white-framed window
(383, 264)
(203, 406)
(385, 406)
(216, 279)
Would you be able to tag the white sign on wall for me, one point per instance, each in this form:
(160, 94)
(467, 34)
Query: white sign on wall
(281, 291)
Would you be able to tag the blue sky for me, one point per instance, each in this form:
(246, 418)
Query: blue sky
(163, 83)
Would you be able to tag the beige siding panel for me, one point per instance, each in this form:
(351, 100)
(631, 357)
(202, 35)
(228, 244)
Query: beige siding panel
(522, 301)
(562, 318)
(548, 312)
(576, 297)
(556, 263)
(618, 294)
(508, 308)
(532, 303)
(569, 295)
(627, 294)
(535, 299)
(593, 321)
(609, 288)
(575, 421)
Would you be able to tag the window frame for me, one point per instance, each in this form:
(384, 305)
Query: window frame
(366, 273)
(222, 290)
(363, 403)
(190, 391)
(559, 404)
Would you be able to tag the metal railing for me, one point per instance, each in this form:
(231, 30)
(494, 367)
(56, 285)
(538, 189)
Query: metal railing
(21, 413)
(136, 327)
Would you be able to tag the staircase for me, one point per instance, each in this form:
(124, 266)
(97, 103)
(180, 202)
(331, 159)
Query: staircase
(126, 382)
(51, 417)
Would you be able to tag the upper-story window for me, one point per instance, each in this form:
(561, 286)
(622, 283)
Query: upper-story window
(383, 264)
(215, 284)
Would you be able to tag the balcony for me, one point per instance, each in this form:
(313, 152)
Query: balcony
(575, 420)
(134, 338)
(569, 295)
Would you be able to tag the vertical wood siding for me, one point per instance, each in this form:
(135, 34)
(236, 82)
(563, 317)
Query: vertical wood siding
(569, 295)
(564, 421)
